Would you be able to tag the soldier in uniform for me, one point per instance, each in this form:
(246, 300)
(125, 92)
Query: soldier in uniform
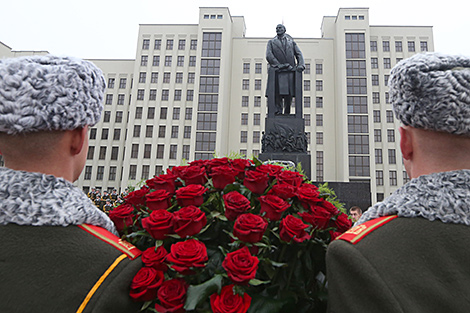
(410, 252)
(59, 253)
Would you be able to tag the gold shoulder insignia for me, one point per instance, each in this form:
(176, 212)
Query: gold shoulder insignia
(355, 234)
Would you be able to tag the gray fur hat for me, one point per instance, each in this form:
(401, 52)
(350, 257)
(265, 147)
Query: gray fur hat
(49, 93)
(432, 91)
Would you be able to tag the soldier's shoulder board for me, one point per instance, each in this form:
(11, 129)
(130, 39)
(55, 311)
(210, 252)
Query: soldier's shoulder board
(357, 233)
(125, 247)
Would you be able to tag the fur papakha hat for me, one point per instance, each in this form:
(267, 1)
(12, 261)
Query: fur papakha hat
(49, 93)
(432, 91)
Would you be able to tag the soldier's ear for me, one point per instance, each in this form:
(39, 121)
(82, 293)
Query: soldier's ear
(78, 140)
(406, 142)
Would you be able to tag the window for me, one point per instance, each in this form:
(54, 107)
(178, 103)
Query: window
(136, 131)
(168, 60)
(373, 46)
(411, 46)
(93, 133)
(243, 136)
(306, 85)
(111, 83)
(169, 44)
(357, 124)
(192, 61)
(132, 171)
(387, 98)
(376, 116)
(154, 78)
(187, 132)
(112, 173)
(151, 113)
(87, 175)
(319, 166)
(306, 102)
(191, 77)
(359, 166)
(424, 46)
(149, 131)
(185, 154)
(257, 101)
(398, 46)
(209, 84)
(142, 77)
(319, 138)
(181, 44)
(377, 135)
(357, 104)
(307, 119)
(380, 196)
(165, 94)
(161, 131)
(258, 68)
(358, 144)
(245, 101)
(208, 102)
(102, 155)
(386, 77)
(99, 173)
(91, 152)
(180, 61)
(166, 77)
(406, 178)
(392, 157)
(134, 151)
(390, 135)
(389, 115)
(144, 60)
(173, 151)
(319, 68)
(160, 151)
(387, 63)
(156, 60)
(375, 80)
(379, 178)
(145, 172)
(158, 44)
(117, 134)
(147, 151)
(109, 99)
(256, 119)
(257, 84)
(245, 84)
(246, 68)
(138, 113)
(399, 59)
(104, 133)
(319, 119)
(189, 95)
(319, 102)
(140, 94)
(114, 153)
(355, 46)
(375, 97)
(174, 131)
(211, 44)
(193, 45)
(256, 137)
(374, 63)
(177, 95)
(355, 68)
(122, 83)
(106, 116)
(176, 113)
(386, 45)
(378, 156)
(153, 94)
(393, 178)
(179, 78)
(244, 119)
(120, 100)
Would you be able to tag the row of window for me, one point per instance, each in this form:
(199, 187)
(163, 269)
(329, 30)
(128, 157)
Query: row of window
(377, 117)
(392, 156)
(150, 114)
(169, 44)
(144, 60)
(246, 84)
(379, 177)
(177, 95)
(259, 68)
(399, 46)
(166, 77)
(318, 119)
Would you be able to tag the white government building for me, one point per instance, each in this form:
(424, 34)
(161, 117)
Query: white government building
(195, 90)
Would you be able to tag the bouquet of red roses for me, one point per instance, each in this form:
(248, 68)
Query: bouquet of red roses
(230, 235)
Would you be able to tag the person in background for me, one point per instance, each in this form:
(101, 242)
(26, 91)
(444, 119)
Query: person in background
(355, 212)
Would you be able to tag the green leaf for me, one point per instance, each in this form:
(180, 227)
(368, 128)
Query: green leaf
(199, 293)
(257, 282)
(146, 305)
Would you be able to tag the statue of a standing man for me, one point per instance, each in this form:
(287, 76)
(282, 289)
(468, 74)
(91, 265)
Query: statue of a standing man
(284, 55)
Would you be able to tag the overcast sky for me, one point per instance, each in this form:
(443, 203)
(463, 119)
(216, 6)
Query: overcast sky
(107, 29)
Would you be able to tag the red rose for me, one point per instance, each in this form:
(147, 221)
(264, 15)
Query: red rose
(342, 223)
(273, 206)
(235, 204)
(270, 169)
(172, 296)
(334, 234)
(283, 191)
(162, 182)
(250, 228)
(222, 176)
(308, 194)
(185, 255)
(318, 216)
(158, 200)
(155, 258)
(194, 175)
(256, 181)
(145, 284)
(230, 302)
(291, 178)
(240, 165)
(122, 216)
(191, 195)
(189, 221)
(241, 266)
(200, 163)
(158, 224)
(137, 197)
(292, 228)
(176, 171)
(217, 162)
(324, 204)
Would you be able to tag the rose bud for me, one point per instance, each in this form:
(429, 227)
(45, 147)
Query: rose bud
(158, 224)
(240, 165)
(145, 284)
(270, 169)
(222, 176)
(158, 200)
(190, 195)
(250, 228)
(235, 204)
(283, 191)
(273, 206)
(155, 258)
(342, 223)
(185, 255)
(228, 301)
(308, 194)
(292, 228)
(211, 164)
(194, 175)
(319, 217)
(291, 178)
(122, 216)
(137, 197)
(189, 221)
(256, 181)
(241, 266)
(172, 296)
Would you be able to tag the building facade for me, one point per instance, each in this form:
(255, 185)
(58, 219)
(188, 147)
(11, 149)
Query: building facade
(198, 91)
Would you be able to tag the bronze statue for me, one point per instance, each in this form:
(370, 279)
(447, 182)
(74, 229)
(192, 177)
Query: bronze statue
(285, 57)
